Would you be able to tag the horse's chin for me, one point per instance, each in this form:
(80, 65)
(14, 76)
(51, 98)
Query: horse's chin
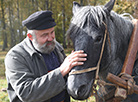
(81, 91)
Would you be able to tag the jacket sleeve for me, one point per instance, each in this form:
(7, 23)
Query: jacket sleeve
(29, 88)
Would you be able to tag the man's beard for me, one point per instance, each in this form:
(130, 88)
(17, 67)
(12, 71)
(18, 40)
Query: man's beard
(45, 48)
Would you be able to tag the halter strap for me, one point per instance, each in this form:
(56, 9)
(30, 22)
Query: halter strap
(98, 64)
(83, 71)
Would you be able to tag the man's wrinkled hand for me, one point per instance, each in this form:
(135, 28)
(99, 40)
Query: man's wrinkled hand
(74, 59)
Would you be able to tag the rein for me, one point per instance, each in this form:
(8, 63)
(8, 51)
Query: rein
(98, 64)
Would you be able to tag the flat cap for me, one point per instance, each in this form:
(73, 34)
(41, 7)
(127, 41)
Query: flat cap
(39, 20)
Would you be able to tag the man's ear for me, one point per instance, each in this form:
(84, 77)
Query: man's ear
(30, 36)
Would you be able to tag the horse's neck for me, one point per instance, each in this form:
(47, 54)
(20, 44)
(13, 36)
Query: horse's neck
(119, 31)
(120, 40)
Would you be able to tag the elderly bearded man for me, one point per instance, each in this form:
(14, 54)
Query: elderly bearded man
(36, 68)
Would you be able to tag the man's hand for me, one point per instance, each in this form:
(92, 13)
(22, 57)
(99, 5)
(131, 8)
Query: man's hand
(74, 59)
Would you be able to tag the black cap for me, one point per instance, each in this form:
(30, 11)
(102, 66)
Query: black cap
(39, 20)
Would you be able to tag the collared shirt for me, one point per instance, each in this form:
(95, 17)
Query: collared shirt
(51, 61)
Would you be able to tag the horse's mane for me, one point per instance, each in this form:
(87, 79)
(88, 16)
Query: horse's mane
(120, 29)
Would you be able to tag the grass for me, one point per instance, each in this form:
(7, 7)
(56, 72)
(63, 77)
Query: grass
(91, 99)
(2, 69)
(3, 82)
(3, 93)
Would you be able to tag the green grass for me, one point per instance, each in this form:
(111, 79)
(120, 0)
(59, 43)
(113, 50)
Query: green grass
(3, 94)
(3, 82)
(2, 68)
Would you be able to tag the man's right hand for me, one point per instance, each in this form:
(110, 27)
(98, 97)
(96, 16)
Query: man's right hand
(74, 59)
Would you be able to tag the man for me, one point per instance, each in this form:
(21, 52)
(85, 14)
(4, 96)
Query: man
(35, 68)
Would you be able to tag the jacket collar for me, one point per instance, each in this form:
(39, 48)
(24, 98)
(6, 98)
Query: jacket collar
(29, 47)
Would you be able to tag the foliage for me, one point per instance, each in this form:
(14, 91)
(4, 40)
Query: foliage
(124, 7)
(15, 11)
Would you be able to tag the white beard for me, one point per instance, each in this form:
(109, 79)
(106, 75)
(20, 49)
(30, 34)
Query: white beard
(44, 48)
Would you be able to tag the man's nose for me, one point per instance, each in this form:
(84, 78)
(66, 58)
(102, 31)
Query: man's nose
(50, 37)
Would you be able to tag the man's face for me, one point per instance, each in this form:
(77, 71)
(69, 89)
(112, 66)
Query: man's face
(44, 40)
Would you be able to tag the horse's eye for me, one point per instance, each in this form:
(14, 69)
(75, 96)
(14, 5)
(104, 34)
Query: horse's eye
(98, 39)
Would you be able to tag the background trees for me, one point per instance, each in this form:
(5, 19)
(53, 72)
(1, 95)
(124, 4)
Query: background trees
(13, 12)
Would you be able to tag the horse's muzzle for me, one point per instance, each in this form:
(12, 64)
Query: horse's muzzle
(79, 90)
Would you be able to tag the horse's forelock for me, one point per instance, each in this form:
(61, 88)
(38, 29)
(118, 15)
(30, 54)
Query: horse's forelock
(97, 14)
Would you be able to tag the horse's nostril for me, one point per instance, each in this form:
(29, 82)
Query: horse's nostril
(81, 91)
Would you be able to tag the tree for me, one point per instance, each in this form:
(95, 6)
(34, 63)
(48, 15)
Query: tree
(136, 9)
(47, 4)
(13, 12)
(81, 2)
(3, 26)
(19, 22)
(11, 25)
(63, 25)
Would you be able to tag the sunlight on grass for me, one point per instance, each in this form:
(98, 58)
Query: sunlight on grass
(90, 99)
(2, 67)
(2, 54)
(3, 86)
(3, 82)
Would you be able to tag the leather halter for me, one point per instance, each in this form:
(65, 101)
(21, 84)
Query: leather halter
(98, 64)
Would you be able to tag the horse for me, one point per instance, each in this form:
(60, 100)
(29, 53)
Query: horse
(87, 30)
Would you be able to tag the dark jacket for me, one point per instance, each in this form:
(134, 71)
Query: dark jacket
(27, 76)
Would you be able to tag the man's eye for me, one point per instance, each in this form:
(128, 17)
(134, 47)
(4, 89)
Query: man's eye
(52, 32)
(44, 35)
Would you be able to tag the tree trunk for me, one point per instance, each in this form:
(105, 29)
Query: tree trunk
(50, 8)
(47, 4)
(63, 25)
(19, 24)
(136, 9)
(37, 5)
(81, 2)
(4, 27)
(13, 37)
(95, 2)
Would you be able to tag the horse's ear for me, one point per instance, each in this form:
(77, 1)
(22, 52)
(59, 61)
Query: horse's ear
(109, 6)
(76, 6)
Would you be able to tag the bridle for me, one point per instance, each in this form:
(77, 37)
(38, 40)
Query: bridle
(104, 95)
(98, 82)
(98, 64)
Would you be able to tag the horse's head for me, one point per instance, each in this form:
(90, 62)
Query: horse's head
(87, 30)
